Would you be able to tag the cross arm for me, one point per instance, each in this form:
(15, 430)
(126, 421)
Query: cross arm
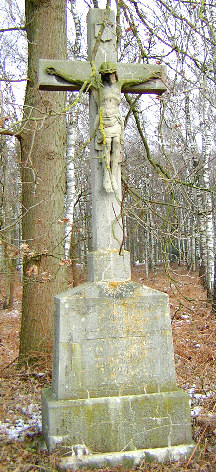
(62, 75)
(70, 75)
(142, 78)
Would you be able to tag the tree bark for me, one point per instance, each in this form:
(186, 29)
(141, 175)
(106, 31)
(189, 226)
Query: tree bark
(209, 223)
(43, 179)
(70, 177)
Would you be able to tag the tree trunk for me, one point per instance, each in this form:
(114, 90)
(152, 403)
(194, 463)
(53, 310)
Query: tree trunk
(193, 244)
(70, 198)
(10, 281)
(153, 243)
(74, 259)
(147, 246)
(43, 179)
(209, 223)
(8, 213)
(206, 207)
(71, 140)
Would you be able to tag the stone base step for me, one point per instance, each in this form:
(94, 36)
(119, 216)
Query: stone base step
(127, 460)
(110, 424)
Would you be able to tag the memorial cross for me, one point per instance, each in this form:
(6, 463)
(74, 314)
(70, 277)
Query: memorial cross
(105, 79)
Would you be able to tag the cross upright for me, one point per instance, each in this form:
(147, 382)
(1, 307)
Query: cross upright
(107, 260)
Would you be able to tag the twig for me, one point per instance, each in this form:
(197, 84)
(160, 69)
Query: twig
(40, 467)
(16, 28)
(194, 450)
(203, 455)
(200, 438)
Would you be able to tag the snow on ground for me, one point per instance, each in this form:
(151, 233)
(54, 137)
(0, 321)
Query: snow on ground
(26, 419)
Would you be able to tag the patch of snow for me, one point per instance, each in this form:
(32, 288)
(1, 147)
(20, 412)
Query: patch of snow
(197, 400)
(192, 389)
(14, 313)
(17, 428)
(195, 411)
(200, 396)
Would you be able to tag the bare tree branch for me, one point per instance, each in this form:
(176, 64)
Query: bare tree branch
(17, 28)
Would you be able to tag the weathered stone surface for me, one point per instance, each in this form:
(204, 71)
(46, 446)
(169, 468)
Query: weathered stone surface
(107, 234)
(127, 459)
(123, 423)
(157, 86)
(108, 266)
(81, 70)
(112, 338)
(107, 50)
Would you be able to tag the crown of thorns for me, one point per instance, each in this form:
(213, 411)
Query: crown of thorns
(107, 68)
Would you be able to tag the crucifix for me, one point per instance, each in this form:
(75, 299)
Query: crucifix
(113, 385)
(105, 79)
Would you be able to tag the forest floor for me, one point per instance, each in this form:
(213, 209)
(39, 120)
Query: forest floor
(194, 334)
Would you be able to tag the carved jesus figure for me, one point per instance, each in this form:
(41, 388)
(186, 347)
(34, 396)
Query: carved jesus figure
(110, 130)
(109, 127)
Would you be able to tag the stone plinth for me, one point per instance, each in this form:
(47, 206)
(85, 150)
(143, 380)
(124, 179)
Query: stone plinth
(126, 459)
(113, 338)
(114, 385)
(125, 423)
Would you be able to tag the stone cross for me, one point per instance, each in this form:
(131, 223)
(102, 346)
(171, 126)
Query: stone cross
(107, 261)
(114, 399)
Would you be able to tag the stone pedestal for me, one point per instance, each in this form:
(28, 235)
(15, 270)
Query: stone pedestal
(113, 386)
(125, 423)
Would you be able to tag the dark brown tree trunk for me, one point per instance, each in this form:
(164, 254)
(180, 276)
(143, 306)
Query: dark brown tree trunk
(43, 179)
(74, 259)
(10, 279)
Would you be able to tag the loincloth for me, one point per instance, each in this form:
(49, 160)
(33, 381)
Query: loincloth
(113, 127)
